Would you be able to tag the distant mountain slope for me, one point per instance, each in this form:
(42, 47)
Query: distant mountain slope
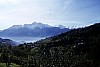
(33, 30)
(7, 42)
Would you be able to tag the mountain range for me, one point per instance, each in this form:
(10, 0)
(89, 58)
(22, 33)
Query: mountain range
(33, 30)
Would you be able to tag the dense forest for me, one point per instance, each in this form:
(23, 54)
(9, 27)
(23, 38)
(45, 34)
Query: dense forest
(76, 48)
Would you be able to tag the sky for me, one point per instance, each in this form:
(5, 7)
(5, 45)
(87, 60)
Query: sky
(52, 12)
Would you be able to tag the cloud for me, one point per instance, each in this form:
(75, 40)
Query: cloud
(66, 3)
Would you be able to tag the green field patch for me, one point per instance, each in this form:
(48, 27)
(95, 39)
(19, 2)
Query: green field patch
(11, 65)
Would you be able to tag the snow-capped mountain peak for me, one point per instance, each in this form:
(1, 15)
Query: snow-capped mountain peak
(31, 26)
(35, 25)
(61, 26)
(16, 26)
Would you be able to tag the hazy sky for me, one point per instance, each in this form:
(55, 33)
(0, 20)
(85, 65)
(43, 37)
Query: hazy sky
(53, 12)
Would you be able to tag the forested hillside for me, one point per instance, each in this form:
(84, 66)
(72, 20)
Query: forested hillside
(76, 48)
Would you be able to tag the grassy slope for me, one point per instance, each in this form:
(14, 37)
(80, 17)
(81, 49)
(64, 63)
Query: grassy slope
(12, 65)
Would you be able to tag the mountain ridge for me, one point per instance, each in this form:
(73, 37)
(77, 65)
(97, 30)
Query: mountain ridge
(31, 26)
(33, 30)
